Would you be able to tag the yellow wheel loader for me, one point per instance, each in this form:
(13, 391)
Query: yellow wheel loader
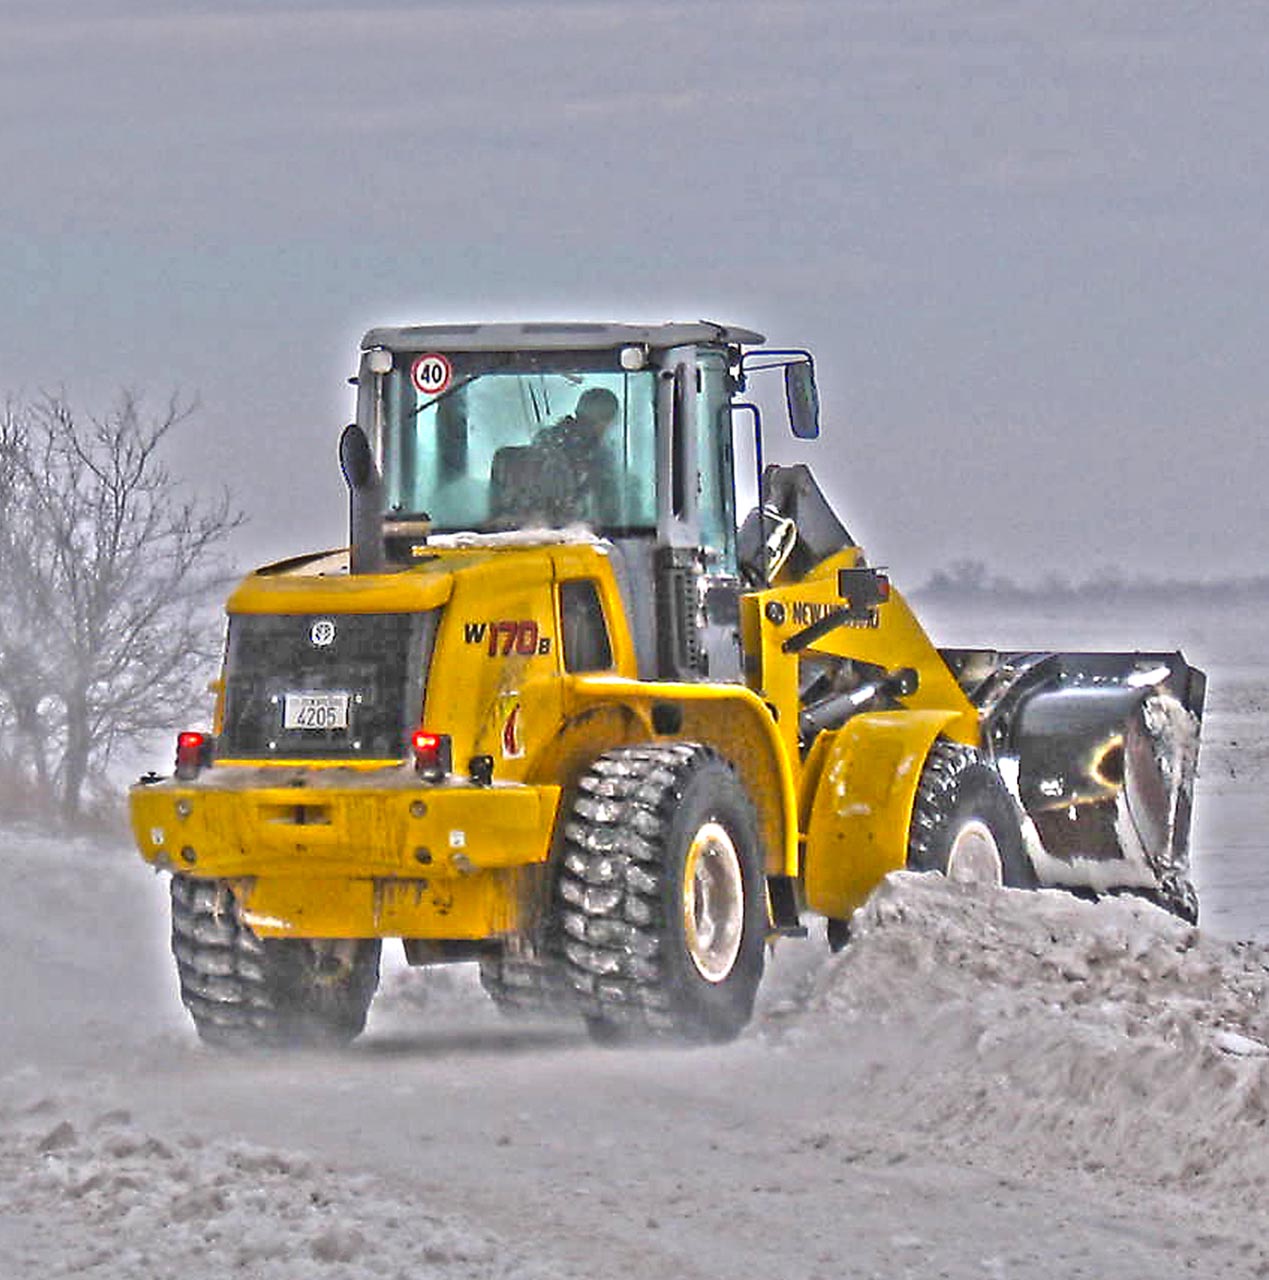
(557, 710)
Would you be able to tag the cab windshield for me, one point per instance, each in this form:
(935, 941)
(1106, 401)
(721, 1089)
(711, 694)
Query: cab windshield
(515, 440)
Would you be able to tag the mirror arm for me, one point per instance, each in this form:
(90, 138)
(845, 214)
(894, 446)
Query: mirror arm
(744, 406)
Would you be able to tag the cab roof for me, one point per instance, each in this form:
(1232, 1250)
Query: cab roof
(537, 336)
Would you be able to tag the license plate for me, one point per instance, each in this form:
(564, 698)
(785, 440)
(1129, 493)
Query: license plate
(315, 711)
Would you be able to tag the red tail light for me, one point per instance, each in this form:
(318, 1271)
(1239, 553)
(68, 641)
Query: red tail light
(433, 753)
(193, 752)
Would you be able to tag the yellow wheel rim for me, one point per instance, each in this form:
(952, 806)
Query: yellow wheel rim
(974, 857)
(713, 902)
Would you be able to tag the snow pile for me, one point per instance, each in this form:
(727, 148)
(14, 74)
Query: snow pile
(1106, 1035)
(95, 1195)
(569, 535)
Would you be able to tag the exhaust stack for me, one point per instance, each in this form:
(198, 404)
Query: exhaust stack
(365, 501)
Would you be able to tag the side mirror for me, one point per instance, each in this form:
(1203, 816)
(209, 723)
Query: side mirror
(803, 399)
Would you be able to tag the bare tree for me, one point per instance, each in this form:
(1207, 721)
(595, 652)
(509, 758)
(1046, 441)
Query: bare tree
(106, 571)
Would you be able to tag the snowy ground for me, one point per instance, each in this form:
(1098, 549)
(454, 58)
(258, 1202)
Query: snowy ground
(982, 1085)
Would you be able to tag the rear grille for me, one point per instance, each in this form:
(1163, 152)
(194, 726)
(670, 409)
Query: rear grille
(378, 660)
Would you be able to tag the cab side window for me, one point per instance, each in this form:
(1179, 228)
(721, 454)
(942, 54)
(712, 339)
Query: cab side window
(584, 630)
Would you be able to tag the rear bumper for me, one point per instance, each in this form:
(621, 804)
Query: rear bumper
(344, 853)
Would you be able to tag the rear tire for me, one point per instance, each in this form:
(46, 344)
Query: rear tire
(245, 992)
(523, 988)
(965, 823)
(659, 912)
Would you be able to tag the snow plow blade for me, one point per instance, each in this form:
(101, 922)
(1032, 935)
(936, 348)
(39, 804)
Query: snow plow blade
(1101, 750)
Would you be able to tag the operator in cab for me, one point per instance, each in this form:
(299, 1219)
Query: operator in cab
(585, 487)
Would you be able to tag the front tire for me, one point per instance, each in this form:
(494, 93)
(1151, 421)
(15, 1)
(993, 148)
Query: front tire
(659, 912)
(965, 823)
(245, 992)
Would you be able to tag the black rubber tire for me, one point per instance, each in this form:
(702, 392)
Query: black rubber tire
(618, 927)
(245, 992)
(959, 787)
(514, 993)
(524, 988)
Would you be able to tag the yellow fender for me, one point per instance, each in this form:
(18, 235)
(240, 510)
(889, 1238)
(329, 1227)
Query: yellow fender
(861, 806)
(730, 718)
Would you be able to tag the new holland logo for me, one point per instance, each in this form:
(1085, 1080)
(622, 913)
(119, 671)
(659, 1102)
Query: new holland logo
(322, 632)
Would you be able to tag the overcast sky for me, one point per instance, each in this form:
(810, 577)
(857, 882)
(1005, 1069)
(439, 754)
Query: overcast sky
(1026, 239)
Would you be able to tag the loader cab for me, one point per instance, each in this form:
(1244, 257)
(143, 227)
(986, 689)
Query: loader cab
(622, 432)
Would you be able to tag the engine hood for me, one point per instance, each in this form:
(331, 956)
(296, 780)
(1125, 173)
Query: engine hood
(323, 583)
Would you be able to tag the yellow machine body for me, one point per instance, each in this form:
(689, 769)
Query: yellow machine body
(552, 624)
(561, 710)
(371, 848)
